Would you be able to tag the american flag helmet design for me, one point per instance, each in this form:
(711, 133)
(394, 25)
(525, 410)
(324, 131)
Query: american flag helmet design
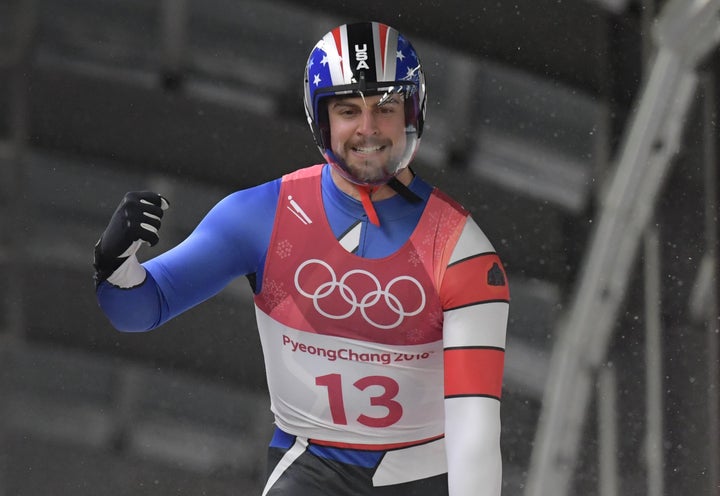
(367, 58)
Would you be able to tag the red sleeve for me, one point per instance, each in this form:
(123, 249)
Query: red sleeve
(474, 280)
(474, 371)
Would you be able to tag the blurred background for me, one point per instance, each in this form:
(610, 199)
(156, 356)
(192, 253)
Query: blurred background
(581, 134)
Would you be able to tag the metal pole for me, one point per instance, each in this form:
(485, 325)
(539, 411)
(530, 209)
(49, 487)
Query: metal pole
(607, 433)
(654, 455)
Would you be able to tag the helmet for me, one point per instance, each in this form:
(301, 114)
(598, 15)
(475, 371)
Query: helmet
(361, 59)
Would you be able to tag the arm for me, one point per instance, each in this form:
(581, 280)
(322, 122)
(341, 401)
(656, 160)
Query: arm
(475, 299)
(229, 242)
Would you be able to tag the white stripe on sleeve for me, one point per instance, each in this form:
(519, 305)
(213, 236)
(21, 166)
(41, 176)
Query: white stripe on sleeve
(476, 325)
(472, 241)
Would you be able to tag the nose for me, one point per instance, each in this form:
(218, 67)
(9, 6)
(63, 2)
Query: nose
(367, 125)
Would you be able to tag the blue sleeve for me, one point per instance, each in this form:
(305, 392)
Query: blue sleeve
(230, 241)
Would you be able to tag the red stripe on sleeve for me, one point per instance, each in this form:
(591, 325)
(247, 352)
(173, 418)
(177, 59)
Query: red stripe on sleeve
(478, 279)
(474, 372)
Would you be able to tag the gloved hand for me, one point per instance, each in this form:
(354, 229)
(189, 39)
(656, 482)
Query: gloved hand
(135, 221)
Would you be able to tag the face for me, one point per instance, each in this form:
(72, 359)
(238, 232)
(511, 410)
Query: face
(368, 134)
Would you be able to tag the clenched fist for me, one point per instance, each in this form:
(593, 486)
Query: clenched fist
(135, 221)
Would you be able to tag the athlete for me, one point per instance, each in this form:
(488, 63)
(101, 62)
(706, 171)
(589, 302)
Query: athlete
(381, 305)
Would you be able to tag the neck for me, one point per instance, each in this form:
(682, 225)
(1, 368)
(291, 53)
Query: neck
(382, 192)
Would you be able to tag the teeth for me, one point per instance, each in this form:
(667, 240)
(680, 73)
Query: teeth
(368, 149)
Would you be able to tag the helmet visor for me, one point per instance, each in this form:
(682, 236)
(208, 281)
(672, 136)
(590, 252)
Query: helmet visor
(370, 132)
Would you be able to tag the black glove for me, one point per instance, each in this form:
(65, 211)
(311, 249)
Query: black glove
(135, 221)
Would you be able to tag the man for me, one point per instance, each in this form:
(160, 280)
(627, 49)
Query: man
(381, 305)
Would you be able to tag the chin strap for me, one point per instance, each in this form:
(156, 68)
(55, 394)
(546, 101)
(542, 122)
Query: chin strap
(365, 192)
(399, 188)
(403, 190)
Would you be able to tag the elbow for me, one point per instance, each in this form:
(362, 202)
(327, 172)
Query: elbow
(125, 327)
(129, 310)
(129, 323)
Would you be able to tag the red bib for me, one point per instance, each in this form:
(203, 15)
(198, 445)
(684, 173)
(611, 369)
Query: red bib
(311, 283)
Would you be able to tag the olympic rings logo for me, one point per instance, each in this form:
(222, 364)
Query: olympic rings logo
(368, 300)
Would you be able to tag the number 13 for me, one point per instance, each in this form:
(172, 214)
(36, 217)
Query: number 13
(333, 383)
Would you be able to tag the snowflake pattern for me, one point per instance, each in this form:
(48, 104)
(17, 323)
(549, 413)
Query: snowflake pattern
(274, 294)
(414, 335)
(417, 335)
(415, 258)
(430, 235)
(284, 249)
(439, 236)
(436, 317)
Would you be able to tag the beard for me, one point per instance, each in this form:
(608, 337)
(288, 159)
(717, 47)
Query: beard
(370, 160)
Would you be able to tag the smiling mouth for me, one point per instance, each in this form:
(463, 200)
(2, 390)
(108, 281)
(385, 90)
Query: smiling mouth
(368, 149)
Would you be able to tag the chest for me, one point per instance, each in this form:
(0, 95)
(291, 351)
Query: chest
(313, 283)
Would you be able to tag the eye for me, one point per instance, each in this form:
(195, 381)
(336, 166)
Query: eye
(388, 107)
(345, 111)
